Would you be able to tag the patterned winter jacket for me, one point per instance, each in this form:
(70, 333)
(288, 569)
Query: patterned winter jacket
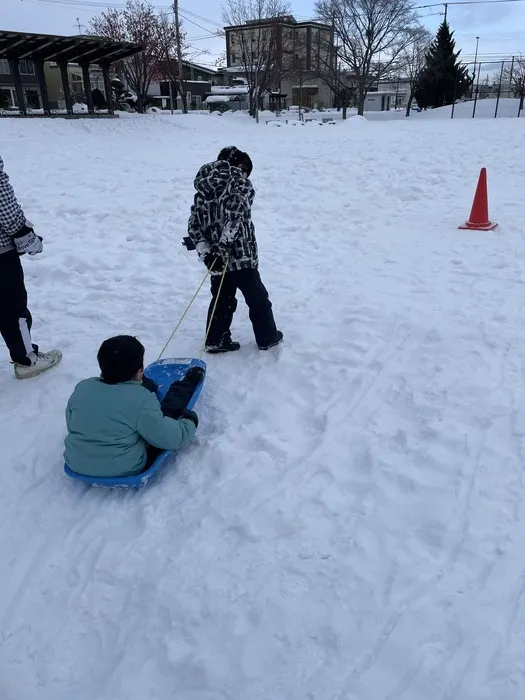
(12, 217)
(220, 220)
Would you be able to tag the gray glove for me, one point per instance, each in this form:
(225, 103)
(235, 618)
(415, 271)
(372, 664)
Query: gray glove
(26, 241)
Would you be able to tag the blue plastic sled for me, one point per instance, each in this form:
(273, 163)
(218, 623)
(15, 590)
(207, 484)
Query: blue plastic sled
(163, 372)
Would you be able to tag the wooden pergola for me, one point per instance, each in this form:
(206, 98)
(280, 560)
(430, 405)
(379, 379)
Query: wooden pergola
(82, 50)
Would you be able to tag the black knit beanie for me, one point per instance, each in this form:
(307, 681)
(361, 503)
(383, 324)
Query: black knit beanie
(120, 358)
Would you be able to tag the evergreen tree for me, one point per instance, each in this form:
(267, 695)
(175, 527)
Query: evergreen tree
(443, 79)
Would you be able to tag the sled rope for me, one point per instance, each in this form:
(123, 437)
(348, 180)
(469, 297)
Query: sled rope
(184, 314)
(213, 310)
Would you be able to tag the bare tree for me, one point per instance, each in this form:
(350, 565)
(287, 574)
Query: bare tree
(255, 47)
(293, 64)
(413, 61)
(331, 70)
(220, 61)
(514, 77)
(373, 34)
(137, 23)
(166, 55)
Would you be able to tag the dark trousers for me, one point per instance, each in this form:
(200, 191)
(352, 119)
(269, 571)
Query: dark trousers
(256, 297)
(177, 397)
(15, 319)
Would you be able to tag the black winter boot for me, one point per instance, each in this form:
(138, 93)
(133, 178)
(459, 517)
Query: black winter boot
(226, 345)
(277, 341)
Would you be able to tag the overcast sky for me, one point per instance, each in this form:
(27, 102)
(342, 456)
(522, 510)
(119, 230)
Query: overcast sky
(501, 27)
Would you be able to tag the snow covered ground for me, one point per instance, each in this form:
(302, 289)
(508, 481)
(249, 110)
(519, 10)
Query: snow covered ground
(350, 523)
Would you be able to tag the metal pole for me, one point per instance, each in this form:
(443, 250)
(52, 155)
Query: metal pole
(170, 93)
(179, 54)
(511, 91)
(475, 64)
(257, 95)
(477, 91)
(499, 88)
(300, 95)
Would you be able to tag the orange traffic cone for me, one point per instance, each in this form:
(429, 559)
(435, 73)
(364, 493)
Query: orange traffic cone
(479, 216)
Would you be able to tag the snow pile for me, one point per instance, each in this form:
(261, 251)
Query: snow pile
(350, 521)
(357, 121)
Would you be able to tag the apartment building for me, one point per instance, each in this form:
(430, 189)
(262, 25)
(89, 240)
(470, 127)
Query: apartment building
(287, 57)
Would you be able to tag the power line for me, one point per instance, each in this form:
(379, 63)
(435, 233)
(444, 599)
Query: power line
(465, 2)
(200, 17)
(196, 24)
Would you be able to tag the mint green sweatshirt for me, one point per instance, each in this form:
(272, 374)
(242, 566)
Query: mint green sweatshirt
(110, 425)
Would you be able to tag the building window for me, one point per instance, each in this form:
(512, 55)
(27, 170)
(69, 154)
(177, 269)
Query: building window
(96, 81)
(32, 99)
(4, 66)
(26, 67)
(6, 98)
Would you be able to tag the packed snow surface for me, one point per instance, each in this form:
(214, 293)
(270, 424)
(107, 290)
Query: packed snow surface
(350, 522)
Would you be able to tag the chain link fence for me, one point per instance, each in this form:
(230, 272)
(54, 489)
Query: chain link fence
(498, 90)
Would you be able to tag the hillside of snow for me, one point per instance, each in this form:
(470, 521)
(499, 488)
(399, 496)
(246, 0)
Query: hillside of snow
(349, 524)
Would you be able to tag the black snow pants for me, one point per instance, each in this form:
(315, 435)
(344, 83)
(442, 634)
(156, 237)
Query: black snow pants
(177, 397)
(15, 319)
(256, 297)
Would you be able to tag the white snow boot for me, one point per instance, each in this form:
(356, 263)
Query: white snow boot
(41, 363)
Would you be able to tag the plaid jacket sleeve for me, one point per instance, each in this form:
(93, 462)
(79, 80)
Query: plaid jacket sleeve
(195, 226)
(12, 217)
(237, 209)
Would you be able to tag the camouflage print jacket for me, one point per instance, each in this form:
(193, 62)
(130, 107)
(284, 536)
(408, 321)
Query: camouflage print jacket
(220, 220)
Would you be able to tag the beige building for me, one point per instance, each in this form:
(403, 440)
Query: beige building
(286, 57)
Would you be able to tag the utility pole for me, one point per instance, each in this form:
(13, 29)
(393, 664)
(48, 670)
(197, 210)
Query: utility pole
(446, 12)
(79, 26)
(179, 55)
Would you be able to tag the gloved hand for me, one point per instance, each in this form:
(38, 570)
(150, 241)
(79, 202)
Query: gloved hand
(189, 415)
(26, 241)
(214, 262)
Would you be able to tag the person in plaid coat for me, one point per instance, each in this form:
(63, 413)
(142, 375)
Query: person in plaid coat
(221, 229)
(16, 239)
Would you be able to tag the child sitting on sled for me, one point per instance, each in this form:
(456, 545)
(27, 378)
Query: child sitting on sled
(116, 425)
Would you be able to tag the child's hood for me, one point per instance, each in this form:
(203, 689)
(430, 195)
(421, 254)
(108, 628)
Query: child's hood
(212, 179)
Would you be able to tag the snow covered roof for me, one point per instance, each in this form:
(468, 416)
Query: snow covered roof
(217, 98)
(223, 98)
(241, 69)
(229, 90)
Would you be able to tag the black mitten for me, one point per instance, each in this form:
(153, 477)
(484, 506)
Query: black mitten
(194, 375)
(150, 385)
(190, 415)
(213, 262)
